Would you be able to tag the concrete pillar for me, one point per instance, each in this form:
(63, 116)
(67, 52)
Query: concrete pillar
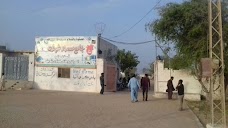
(31, 67)
(1, 64)
(100, 69)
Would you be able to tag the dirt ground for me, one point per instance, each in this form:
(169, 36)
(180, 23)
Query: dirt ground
(54, 109)
(203, 112)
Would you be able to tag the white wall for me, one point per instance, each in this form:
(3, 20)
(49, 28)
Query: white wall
(31, 67)
(81, 79)
(100, 69)
(1, 64)
(47, 77)
(162, 75)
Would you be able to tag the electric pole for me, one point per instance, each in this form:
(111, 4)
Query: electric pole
(216, 48)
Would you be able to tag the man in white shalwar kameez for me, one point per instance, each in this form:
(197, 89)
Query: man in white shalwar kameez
(134, 86)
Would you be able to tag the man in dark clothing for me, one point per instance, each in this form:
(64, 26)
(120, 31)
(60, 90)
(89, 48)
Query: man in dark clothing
(170, 88)
(102, 83)
(145, 85)
(180, 90)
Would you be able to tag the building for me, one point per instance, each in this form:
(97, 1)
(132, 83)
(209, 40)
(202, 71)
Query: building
(74, 63)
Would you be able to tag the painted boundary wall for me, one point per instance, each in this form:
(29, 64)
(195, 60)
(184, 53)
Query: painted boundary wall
(193, 88)
(81, 79)
(79, 53)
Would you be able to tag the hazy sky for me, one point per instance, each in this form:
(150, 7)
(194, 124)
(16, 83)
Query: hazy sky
(22, 20)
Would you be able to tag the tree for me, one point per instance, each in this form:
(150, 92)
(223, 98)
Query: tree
(185, 25)
(126, 60)
(150, 70)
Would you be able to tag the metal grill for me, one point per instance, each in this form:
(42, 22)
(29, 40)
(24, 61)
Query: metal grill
(16, 67)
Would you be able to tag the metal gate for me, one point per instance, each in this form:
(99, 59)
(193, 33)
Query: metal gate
(111, 75)
(16, 67)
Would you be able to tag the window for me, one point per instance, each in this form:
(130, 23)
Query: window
(63, 72)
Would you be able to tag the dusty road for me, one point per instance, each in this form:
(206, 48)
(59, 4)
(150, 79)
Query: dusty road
(51, 109)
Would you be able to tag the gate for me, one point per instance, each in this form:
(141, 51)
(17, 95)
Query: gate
(16, 67)
(111, 75)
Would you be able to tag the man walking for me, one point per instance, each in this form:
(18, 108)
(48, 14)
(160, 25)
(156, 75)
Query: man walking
(102, 83)
(145, 85)
(170, 88)
(133, 84)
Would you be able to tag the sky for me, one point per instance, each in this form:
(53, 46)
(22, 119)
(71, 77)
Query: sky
(23, 20)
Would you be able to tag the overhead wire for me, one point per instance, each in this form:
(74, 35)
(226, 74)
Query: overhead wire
(127, 43)
(138, 21)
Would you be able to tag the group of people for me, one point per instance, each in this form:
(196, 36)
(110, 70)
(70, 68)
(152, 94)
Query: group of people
(134, 86)
(144, 84)
(179, 88)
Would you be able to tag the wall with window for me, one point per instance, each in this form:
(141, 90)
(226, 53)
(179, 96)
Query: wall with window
(69, 79)
(68, 64)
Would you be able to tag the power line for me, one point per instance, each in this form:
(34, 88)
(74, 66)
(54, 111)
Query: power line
(127, 43)
(139, 20)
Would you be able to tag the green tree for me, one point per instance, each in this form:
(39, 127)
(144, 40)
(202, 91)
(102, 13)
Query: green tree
(126, 60)
(185, 26)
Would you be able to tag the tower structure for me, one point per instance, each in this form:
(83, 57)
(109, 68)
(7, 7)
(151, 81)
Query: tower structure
(216, 54)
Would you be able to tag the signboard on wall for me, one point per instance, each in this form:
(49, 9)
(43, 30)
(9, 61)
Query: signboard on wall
(66, 51)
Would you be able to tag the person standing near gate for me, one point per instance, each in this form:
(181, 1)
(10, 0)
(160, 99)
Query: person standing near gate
(133, 84)
(170, 88)
(145, 85)
(3, 82)
(102, 83)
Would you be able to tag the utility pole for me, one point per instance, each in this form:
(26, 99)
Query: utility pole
(216, 48)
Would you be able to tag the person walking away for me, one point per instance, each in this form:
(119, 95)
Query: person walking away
(141, 82)
(128, 78)
(180, 91)
(133, 84)
(170, 88)
(3, 82)
(102, 83)
(119, 84)
(145, 85)
(124, 82)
